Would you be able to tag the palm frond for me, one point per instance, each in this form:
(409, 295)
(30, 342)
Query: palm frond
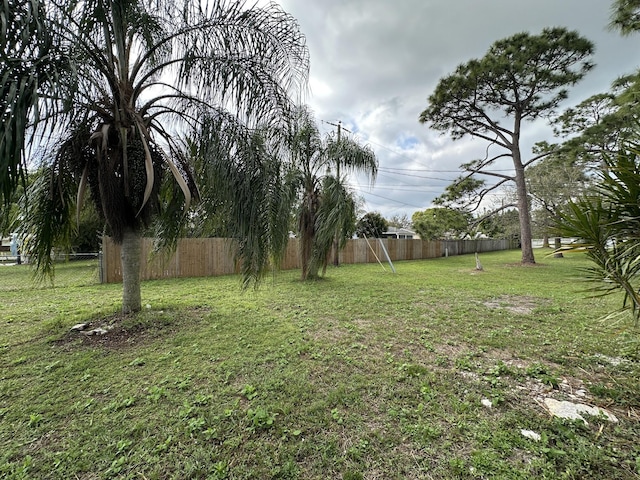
(336, 213)
(606, 227)
(239, 170)
(47, 215)
(349, 156)
(32, 63)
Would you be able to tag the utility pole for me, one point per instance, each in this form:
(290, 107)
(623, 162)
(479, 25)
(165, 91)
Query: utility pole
(339, 126)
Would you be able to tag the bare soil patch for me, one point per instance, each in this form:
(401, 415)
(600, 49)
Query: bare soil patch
(521, 305)
(526, 265)
(119, 331)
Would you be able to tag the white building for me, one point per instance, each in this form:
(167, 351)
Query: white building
(401, 233)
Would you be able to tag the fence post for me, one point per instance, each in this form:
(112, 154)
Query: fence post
(101, 266)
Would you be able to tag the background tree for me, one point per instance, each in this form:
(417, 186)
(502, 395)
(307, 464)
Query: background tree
(87, 238)
(440, 223)
(552, 182)
(10, 212)
(326, 205)
(399, 221)
(523, 77)
(592, 129)
(595, 129)
(467, 194)
(504, 224)
(625, 16)
(138, 78)
(371, 225)
(600, 125)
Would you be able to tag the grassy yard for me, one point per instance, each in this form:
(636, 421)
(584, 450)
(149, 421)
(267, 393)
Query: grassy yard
(363, 375)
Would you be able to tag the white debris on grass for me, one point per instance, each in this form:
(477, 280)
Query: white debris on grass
(573, 411)
(531, 434)
(614, 361)
(486, 403)
(98, 331)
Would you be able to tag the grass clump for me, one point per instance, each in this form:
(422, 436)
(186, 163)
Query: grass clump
(362, 375)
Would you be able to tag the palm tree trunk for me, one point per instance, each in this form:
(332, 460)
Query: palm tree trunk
(130, 258)
(305, 255)
(307, 227)
(312, 272)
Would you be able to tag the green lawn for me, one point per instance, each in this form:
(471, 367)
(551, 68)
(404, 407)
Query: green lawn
(363, 375)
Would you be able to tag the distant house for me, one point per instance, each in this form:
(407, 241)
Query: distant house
(401, 233)
(5, 244)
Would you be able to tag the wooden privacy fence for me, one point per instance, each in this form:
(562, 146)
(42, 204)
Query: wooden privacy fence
(203, 257)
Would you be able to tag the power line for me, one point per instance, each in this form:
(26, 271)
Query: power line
(400, 154)
(392, 200)
(443, 171)
(417, 176)
(411, 172)
(400, 188)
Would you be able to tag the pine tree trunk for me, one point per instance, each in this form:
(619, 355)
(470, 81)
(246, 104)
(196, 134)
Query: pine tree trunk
(558, 245)
(130, 256)
(523, 211)
(545, 241)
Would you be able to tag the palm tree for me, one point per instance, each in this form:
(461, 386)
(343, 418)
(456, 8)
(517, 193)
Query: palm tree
(326, 204)
(607, 226)
(113, 88)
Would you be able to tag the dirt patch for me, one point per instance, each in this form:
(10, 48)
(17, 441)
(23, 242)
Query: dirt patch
(521, 305)
(526, 265)
(452, 350)
(332, 335)
(120, 330)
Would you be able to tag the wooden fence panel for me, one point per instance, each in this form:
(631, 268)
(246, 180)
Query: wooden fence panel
(347, 253)
(198, 257)
(361, 251)
(392, 245)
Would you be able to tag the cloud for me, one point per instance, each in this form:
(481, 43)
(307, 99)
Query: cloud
(374, 63)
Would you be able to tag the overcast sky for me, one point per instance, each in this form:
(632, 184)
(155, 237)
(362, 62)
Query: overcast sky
(374, 63)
